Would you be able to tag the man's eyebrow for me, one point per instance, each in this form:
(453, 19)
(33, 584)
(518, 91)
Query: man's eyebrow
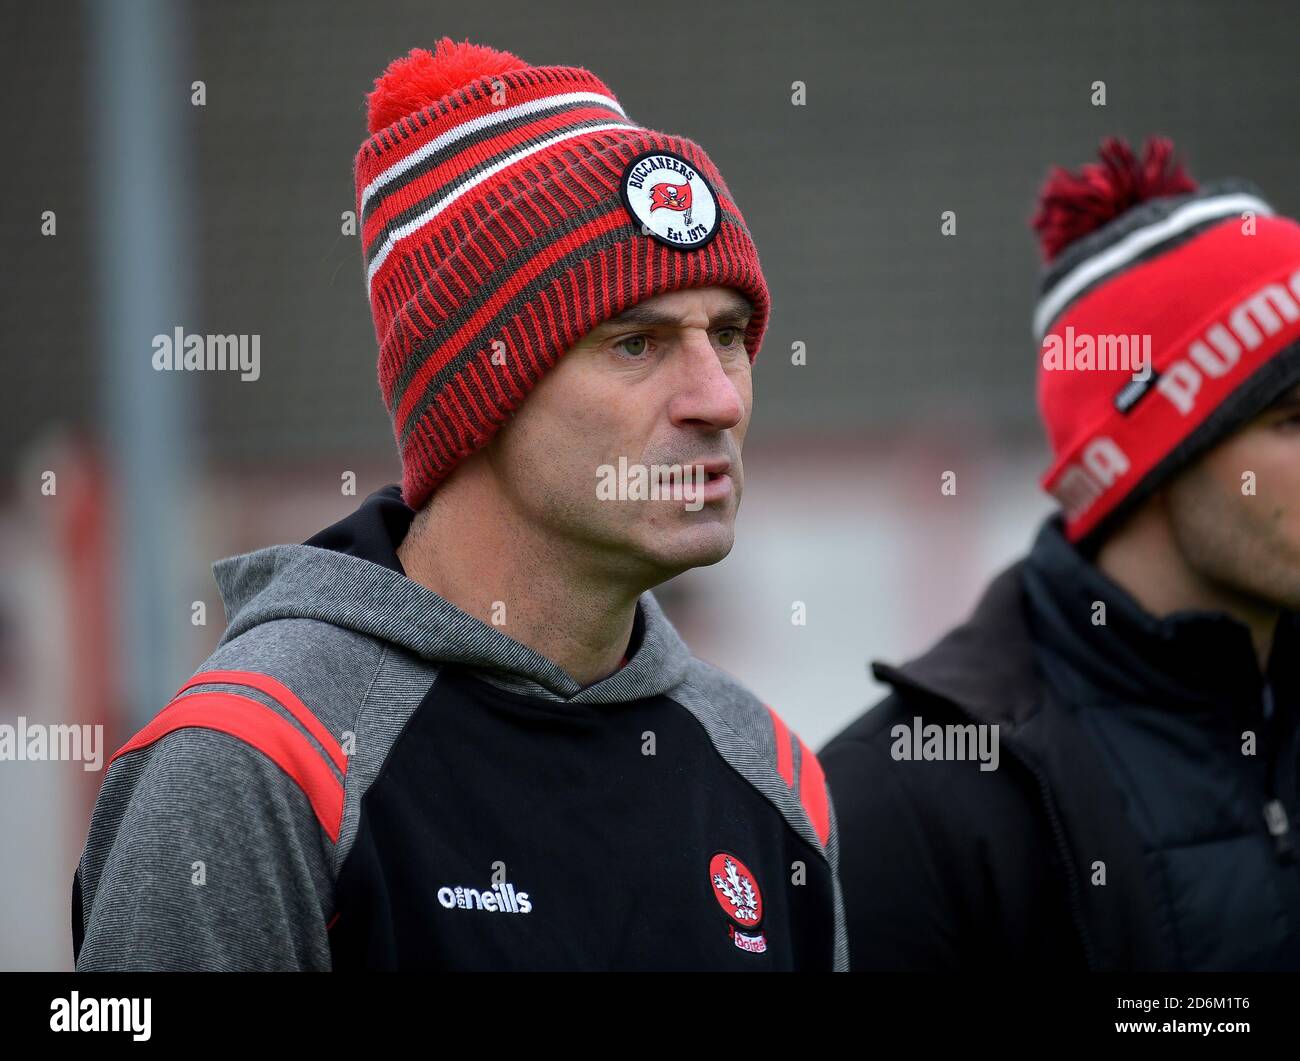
(737, 311)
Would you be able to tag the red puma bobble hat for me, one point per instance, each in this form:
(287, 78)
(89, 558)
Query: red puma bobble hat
(1169, 315)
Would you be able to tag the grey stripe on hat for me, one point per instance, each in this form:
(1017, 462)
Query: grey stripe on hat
(1194, 212)
(395, 236)
(464, 176)
(495, 327)
(447, 145)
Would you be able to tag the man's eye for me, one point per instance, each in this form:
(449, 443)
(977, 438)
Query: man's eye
(623, 345)
(733, 334)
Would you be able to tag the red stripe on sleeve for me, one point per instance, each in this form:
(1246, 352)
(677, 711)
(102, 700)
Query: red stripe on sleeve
(784, 750)
(812, 792)
(278, 691)
(259, 727)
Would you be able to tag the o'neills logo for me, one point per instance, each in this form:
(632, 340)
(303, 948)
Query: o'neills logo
(500, 899)
(670, 199)
(737, 892)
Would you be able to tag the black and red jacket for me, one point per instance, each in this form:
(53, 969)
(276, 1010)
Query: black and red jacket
(364, 776)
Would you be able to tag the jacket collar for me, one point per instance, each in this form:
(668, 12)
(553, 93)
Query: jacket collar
(982, 664)
(1194, 659)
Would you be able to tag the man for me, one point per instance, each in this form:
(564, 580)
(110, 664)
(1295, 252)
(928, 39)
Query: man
(455, 730)
(1098, 769)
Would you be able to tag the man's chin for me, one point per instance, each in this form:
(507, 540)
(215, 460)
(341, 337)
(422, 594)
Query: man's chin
(684, 548)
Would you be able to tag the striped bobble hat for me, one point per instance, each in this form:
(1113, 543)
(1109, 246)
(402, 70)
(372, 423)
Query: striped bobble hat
(1169, 315)
(506, 210)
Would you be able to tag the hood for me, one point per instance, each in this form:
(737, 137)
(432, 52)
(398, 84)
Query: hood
(989, 664)
(349, 575)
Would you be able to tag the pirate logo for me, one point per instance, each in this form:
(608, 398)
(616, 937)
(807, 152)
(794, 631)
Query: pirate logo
(670, 200)
(667, 195)
(737, 892)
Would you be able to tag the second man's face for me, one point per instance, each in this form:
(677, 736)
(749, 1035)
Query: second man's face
(1236, 511)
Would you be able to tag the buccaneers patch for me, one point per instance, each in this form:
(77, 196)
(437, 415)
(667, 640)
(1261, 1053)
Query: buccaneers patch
(737, 892)
(670, 200)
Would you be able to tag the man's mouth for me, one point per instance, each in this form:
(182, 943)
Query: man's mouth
(703, 482)
(713, 469)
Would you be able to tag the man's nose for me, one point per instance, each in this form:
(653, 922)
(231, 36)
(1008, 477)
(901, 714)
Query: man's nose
(705, 395)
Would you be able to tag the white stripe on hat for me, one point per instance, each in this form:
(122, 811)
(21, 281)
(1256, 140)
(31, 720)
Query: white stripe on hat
(1134, 244)
(415, 223)
(477, 125)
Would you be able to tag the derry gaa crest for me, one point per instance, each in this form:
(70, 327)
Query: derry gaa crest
(741, 900)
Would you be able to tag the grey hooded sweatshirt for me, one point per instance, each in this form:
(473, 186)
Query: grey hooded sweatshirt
(364, 776)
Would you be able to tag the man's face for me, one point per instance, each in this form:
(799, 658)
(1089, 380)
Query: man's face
(667, 383)
(1249, 543)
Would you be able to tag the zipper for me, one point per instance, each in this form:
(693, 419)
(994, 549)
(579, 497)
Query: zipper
(1067, 860)
(1275, 816)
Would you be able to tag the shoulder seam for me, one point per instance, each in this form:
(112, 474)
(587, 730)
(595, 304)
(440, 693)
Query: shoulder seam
(356, 723)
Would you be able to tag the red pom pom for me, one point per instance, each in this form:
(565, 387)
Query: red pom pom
(412, 83)
(1073, 204)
